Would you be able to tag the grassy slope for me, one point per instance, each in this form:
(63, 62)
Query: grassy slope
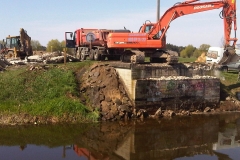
(51, 92)
(229, 82)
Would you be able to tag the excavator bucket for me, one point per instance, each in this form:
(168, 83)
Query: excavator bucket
(229, 56)
(230, 24)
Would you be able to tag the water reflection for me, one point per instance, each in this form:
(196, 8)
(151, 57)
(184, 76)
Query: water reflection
(196, 137)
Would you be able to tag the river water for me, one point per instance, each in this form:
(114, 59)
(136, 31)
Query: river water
(197, 137)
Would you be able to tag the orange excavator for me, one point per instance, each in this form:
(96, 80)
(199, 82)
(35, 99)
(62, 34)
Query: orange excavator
(150, 41)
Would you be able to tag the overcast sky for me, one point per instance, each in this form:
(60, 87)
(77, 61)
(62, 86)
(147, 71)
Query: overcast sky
(45, 20)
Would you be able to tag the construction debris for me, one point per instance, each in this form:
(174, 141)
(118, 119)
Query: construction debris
(3, 64)
(47, 58)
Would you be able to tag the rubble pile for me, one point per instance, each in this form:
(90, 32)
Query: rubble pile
(47, 58)
(102, 90)
(230, 104)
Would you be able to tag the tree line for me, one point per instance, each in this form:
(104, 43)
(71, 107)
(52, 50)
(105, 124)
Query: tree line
(188, 51)
(52, 46)
(185, 52)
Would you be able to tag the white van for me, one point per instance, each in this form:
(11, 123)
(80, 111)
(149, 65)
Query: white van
(215, 54)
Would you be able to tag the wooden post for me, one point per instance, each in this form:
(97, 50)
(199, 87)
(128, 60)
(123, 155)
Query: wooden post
(65, 56)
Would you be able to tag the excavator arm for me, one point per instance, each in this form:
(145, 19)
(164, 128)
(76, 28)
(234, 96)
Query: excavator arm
(151, 38)
(228, 14)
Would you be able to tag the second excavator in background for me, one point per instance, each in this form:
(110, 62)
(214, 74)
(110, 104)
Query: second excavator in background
(17, 46)
(150, 41)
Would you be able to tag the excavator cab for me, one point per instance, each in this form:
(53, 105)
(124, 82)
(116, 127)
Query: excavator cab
(12, 42)
(146, 27)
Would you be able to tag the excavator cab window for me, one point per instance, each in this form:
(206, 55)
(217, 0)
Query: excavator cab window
(148, 28)
(14, 43)
(8, 43)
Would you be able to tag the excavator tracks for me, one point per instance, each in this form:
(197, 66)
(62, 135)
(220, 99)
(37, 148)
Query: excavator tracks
(136, 56)
(133, 56)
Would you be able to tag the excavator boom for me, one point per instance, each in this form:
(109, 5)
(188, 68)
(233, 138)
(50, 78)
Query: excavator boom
(228, 14)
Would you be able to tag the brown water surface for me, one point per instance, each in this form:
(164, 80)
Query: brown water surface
(196, 137)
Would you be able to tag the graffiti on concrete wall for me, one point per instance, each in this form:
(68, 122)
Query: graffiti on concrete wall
(155, 90)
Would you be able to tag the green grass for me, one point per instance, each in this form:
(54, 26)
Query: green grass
(184, 60)
(229, 82)
(51, 92)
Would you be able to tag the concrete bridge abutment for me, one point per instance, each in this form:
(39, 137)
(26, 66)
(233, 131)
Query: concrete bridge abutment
(179, 86)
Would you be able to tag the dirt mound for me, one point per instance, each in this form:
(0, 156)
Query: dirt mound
(102, 90)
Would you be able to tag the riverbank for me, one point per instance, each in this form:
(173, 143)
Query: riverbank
(78, 92)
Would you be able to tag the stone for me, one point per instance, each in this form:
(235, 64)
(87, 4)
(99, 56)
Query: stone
(105, 106)
(118, 117)
(93, 67)
(114, 109)
(125, 100)
(109, 115)
(108, 69)
(121, 114)
(101, 97)
(90, 74)
(96, 74)
(158, 113)
(207, 109)
(117, 102)
(142, 113)
(228, 99)
(108, 99)
(171, 113)
(123, 108)
(121, 88)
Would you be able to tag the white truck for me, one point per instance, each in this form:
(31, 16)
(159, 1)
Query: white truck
(215, 55)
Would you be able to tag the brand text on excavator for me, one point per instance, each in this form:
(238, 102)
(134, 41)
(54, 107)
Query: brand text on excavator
(204, 6)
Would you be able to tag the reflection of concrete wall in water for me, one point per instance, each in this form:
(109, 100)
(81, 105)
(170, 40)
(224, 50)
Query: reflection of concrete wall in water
(169, 140)
(230, 138)
(162, 139)
(127, 148)
(238, 129)
(227, 140)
